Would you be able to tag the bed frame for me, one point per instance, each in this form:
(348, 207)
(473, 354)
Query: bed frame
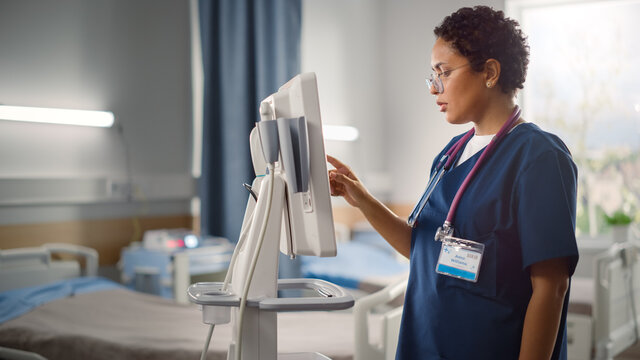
(38, 265)
(617, 300)
(386, 349)
(613, 327)
(34, 266)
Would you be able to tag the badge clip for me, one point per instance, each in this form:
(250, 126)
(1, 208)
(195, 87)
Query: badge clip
(444, 231)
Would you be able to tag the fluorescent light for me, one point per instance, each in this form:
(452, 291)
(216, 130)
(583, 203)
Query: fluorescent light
(340, 132)
(57, 116)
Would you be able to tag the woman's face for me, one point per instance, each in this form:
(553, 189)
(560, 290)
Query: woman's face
(465, 94)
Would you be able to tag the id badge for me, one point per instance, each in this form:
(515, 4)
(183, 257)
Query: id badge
(460, 258)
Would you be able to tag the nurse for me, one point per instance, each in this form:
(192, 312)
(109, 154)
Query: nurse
(491, 242)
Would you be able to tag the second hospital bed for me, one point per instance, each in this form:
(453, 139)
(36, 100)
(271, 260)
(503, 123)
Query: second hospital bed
(59, 315)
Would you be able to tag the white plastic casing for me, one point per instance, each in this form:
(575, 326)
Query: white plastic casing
(309, 213)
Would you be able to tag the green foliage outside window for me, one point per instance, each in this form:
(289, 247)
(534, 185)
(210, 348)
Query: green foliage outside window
(618, 218)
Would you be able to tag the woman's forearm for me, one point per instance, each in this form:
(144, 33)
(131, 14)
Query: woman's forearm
(393, 228)
(542, 320)
(345, 183)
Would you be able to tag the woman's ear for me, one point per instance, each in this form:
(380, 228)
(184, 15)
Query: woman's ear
(492, 72)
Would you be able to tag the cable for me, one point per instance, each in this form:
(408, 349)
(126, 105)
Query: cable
(236, 251)
(241, 240)
(227, 279)
(254, 261)
(127, 156)
(206, 344)
(137, 228)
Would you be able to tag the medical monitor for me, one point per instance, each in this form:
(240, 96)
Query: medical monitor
(307, 227)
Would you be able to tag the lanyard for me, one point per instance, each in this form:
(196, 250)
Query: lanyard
(445, 163)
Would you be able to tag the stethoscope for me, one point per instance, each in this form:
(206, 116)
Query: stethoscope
(446, 162)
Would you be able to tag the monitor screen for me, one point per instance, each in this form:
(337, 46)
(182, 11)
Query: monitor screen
(308, 219)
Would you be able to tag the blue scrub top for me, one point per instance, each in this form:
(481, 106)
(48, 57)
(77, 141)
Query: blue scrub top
(521, 205)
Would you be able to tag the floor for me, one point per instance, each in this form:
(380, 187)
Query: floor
(632, 353)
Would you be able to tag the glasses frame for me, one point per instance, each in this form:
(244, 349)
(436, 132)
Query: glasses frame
(434, 79)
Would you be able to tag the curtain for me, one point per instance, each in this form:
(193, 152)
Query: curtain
(249, 49)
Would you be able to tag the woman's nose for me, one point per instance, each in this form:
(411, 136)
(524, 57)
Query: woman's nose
(433, 90)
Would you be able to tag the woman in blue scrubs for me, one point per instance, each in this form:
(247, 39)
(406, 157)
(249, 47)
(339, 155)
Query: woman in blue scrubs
(502, 291)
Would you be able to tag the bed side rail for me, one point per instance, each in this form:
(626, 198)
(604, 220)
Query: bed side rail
(90, 255)
(364, 350)
(34, 266)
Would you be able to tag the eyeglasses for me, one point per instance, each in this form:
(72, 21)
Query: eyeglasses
(435, 80)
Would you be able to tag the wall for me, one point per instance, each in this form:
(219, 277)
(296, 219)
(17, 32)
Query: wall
(372, 57)
(341, 43)
(132, 58)
(128, 57)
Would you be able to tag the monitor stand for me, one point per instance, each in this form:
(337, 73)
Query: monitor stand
(259, 330)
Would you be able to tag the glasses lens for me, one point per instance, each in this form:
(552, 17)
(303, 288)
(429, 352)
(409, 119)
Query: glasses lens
(434, 81)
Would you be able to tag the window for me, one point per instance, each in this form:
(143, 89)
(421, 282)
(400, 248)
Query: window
(583, 84)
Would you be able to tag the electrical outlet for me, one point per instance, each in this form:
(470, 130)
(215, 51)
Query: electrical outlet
(120, 189)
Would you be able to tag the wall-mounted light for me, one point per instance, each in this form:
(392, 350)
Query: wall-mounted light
(57, 116)
(340, 132)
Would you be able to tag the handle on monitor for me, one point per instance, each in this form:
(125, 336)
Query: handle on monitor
(294, 149)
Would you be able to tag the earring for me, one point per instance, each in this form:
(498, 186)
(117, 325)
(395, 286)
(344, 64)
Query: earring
(489, 84)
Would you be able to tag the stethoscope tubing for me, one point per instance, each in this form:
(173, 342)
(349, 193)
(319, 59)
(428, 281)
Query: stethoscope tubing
(504, 130)
(431, 185)
(445, 163)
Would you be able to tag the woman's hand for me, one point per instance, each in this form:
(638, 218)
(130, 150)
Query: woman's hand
(345, 183)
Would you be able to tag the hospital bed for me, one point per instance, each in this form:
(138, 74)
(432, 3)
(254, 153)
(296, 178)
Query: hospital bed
(603, 320)
(604, 297)
(55, 309)
(366, 262)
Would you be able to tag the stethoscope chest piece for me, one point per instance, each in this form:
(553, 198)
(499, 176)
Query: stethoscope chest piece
(444, 231)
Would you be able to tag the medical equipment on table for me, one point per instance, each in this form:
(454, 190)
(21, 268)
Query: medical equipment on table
(171, 239)
(165, 261)
(292, 212)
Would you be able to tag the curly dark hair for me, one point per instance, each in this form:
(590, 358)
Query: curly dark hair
(481, 33)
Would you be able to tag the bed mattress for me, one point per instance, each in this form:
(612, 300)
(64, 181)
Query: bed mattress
(123, 324)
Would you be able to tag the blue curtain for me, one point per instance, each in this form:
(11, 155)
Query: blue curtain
(250, 48)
